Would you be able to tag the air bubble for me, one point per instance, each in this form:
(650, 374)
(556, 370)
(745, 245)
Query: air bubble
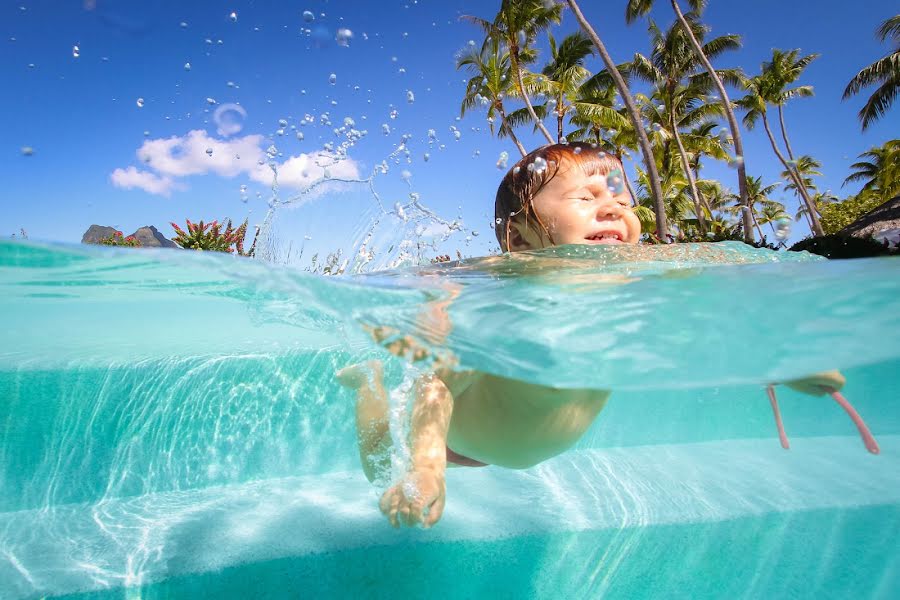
(343, 37)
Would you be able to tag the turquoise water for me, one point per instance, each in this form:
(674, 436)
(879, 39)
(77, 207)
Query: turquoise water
(171, 426)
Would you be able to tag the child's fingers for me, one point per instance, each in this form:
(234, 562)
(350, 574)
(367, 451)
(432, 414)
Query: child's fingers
(434, 512)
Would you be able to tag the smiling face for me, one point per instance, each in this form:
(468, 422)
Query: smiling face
(578, 206)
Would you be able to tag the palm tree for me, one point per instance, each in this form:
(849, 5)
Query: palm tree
(759, 94)
(672, 62)
(759, 196)
(784, 69)
(516, 25)
(772, 213)
(639, 8)
(491, 81)
(563, 76)
(880, 173)
(803, 170)
(884, 72)
(652, 174)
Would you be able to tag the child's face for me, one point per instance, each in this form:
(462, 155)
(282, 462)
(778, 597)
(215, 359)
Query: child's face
(580, 209)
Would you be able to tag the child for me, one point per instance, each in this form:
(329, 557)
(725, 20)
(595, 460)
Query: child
(559, 194)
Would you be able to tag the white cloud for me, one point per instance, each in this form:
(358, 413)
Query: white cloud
(169, 159)
(131, 178)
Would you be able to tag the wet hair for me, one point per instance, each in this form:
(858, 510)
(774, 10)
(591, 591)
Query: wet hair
(528, 176)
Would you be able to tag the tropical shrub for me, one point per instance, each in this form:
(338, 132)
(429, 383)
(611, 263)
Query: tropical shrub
(840, 214)
(844, 246)
(210, 237)
(116, 239)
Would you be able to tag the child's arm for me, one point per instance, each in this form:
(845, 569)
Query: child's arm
(423, 488)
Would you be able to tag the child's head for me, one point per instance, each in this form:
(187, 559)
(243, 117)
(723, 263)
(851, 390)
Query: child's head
(564, 194)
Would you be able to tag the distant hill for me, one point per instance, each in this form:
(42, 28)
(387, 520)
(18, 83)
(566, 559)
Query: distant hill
(149, 236)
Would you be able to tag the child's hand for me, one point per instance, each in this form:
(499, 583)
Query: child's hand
(421, 490)
(818, 384)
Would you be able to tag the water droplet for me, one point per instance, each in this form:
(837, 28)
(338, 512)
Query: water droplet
(393, 114)
(233, 17)
(425, 157)
(187, 66)
(76, 51)
(332, 79)
(300, 135)
(229, 118)
(386, 129)
(211, 101)
(577, 150)
(140, 103)
(539, 165)
(183, 25)
(282, 123)
(27, 151)
(209, 151)
(516, 170)
(308, 16)
(405, 175)
(457, 135)
(343, 37)
(615, 182)
(782, 228)
(410, 97)
(736, 162)
(502, 161)
(146, 133)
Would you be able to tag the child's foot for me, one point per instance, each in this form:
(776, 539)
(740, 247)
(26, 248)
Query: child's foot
(818, 384)
(418, 498)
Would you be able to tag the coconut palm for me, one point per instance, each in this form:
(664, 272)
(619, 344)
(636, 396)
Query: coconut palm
(880, 173)
(652, 174)
(772, 213)
(672, 63)
(803, 170)
(563, 76)
(884, 72)
(490, 84)
(639, 8)
(759, 94)
(516, 25)
(784, 69)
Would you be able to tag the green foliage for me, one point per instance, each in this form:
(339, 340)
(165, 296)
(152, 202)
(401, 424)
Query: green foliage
(209, 236)
(885, 73)
(840, 214)
(116, 239)
(844, 246)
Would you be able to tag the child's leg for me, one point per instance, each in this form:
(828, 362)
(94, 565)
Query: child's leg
(372, 417)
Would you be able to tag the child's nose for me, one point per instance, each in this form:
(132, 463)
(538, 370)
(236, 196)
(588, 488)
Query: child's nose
(608, 208)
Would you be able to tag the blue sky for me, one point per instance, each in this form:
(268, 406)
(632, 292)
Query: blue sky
(81, 119)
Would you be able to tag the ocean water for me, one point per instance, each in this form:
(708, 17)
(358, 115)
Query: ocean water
(171, 426)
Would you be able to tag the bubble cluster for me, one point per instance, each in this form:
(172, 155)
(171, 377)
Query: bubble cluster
(538, 166)
(782, 228)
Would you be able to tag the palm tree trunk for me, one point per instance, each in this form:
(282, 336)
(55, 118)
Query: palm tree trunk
(787, 142)
(514, 60)
(814, 218)
(701, 219)
(559, 121)
(732, 122)
(625, 179)
(510, 130)
(649, 161)
(758, 228)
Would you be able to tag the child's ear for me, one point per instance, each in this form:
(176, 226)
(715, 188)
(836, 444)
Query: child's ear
(519, 236)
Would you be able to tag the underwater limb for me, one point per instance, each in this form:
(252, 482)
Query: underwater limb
(864, 432)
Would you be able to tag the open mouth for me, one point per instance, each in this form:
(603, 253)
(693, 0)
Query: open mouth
(605, 237)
